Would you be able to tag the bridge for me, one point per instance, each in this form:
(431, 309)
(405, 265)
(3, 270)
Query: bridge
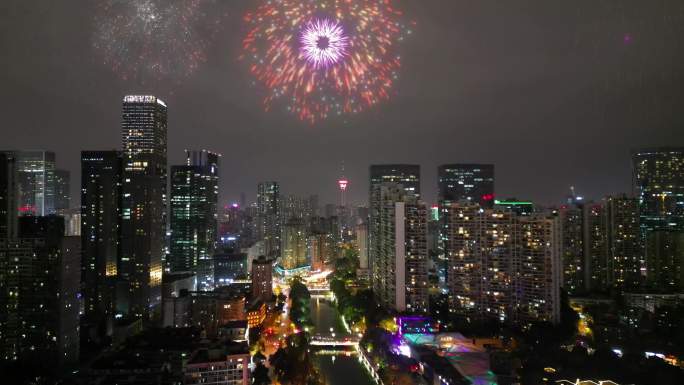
(318, 340)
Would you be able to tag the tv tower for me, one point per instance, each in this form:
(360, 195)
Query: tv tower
(343, 183)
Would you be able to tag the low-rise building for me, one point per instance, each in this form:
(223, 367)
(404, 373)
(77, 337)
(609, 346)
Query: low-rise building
(224, 363)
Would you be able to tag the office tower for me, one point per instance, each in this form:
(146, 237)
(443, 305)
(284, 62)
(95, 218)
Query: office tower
(268, 217)
(467, 182)
(262, 278)
(39, 293)
(35, 179)
(101, 183)
(143, 224)
(293, 249)
(624, 242)
(501, 266)
(62, 191)
(406, 175)
(659, 186)
(194, 201)
(400, 259)
(8, 196)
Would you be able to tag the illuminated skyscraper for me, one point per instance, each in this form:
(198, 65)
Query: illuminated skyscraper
(194, 201)
(659, 186)
(101, 182)
(399, 275)
(35, 179)
(467, 182)
(268, 217)
(143, 228)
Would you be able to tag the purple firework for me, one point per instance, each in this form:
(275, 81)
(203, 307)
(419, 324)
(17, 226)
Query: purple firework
(323, 43)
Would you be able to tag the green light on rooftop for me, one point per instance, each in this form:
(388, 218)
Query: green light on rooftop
(512, 203)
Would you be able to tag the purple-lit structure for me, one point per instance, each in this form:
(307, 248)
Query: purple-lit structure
(323, 43)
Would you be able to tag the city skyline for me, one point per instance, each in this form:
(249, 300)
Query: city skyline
(335, 192)
(458, 104)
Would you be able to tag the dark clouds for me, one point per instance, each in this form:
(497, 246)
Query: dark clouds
(549, 91)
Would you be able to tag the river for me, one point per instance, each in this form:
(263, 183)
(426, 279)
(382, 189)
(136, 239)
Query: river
(337, 369)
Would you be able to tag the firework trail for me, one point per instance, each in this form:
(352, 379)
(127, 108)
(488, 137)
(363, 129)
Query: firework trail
(321, 58)
(154, 38)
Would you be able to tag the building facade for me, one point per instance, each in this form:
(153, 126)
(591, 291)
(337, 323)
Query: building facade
(500, 265)
(294, 246)
(39, 293)
(625, 251)
(194, 226)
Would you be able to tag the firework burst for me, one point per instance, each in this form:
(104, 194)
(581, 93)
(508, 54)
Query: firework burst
(154, 38)
(324, 57)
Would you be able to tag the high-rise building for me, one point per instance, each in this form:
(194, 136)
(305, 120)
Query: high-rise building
(262, 278)
(572, 248)
(35, 179)
(143, 224)
(194, 201)
(467, 182)
(8, 196)
(39, 293)
(294, 246)
(406, 175)
(101, 182)
(268, 217)
(584, 246)
(400, 246)
(596, 246)
(62, 191)
(659, 186)
(501, 265)
(625, 251)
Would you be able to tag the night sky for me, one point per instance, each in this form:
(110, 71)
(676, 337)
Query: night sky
(554, 93)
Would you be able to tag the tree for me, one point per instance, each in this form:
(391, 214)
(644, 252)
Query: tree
(260, 375)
